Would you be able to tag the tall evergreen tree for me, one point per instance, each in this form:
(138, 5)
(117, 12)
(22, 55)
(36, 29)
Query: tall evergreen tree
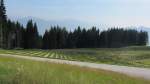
(77, 35)
(29, 35)
(36, 36)
(3, 16)
(3, 19)
(46, 40)
(70, 40)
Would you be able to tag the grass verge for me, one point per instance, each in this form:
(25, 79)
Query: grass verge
(20, 71)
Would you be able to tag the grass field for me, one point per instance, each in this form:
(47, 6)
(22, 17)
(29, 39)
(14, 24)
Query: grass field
(130, 56)
(20, 71)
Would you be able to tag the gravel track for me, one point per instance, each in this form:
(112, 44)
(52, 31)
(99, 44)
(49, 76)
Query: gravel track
(130, 71)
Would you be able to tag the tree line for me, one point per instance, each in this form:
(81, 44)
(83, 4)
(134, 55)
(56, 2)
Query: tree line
(14, 35)
(57, 38)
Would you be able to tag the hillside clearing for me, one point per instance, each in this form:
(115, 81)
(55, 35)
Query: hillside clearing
(129, 56)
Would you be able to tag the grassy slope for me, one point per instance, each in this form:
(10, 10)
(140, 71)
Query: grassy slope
(19, 71)
(130, 56)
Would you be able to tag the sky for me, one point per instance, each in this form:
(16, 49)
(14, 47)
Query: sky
(110, 12)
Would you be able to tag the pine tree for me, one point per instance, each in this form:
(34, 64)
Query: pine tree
(29, 35)
(3, 16)
(19, 31)
(32, 37)
(77, 35)
(35, 36)
(3, 19)
(46, 42)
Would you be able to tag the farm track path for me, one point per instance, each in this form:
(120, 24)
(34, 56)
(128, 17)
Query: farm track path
(130, 71)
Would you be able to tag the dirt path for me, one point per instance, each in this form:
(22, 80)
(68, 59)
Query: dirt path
(130, 71)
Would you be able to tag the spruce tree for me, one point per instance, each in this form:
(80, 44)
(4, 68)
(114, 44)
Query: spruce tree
(35, 36)
(46, 39)
(3, 20)
(29, 35)
(3, 16)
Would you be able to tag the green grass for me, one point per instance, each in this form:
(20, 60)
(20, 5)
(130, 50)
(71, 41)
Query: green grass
(20, 71)
(129, 56)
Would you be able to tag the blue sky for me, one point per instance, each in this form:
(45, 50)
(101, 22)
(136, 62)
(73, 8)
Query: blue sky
(109, 12)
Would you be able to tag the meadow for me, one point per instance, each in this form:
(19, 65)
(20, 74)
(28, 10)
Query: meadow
(20, 71)
(128, 56)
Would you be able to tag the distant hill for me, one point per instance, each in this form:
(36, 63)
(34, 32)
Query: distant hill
(46, 24)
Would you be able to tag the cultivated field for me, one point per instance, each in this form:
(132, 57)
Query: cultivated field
(130, 56)
(20, 71)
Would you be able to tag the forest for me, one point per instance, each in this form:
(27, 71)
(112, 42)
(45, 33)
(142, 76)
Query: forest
(15, 35)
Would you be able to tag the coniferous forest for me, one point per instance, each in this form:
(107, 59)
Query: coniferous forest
(14, 35)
